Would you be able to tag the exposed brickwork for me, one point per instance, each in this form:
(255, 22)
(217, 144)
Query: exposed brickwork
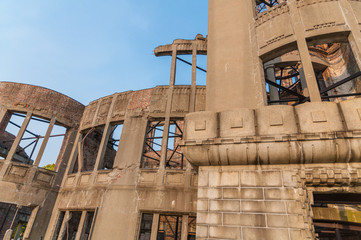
(42, 101)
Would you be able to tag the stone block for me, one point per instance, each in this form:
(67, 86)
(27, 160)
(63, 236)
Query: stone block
(263, 206)
(296, 221)
(294, 207)
(237, 219)
(209, 193)
(202, 231)
(263, 233)
(278, 221)
(203, 179)
(298, 234)
(223, 179)
(281, 193)
(243, 193)
(261, 179)
(202, 205)
(224, 205)
(209, 218)
(224, 232)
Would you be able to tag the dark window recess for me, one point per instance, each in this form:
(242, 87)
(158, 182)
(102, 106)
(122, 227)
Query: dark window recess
(170, 227)
(90, 142)
(112, 146)
(192, 224)
(146, 226)
(152, 145)
(87, 225)
(58, 225)
(334, 216)
(12, 217)
(72, 225)
(175, 158)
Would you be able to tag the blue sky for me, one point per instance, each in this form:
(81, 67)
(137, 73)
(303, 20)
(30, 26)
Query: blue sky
(90, 49)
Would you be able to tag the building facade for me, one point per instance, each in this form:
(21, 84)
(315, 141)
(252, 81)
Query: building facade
(269, 149)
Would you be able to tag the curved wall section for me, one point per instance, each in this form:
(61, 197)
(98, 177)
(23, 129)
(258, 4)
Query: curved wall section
(42, 102)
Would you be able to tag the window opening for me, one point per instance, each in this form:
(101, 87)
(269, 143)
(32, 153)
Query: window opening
(58, 225)
(12, 217)
(152, 145)
(335, 216)
(264, 5)
(169, 228)
(175, 158)
(87, 225)
(112, 146)
(192, 225)
(32, 140)
(89, 146)
(146, 226)
(72, 225)
(8, 136)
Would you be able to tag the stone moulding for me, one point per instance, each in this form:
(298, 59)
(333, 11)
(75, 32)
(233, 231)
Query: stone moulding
(318, 132)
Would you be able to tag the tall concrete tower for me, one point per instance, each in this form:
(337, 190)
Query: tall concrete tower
(270, 151)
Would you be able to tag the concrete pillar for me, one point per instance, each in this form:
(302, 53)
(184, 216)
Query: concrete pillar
(192, 102)
(270, 75)
(304, 53)
(231, 78)
(355, 36)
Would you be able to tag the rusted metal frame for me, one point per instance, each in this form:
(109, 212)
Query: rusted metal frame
(18, 137)
(287, 77)
(154, 127)
(175, 122)
(173, 152)
(152, 149)
(353, 76)
(25, 130)
(341, 95)
(340, 82)
(338, 226)
(28, 138)
(34, 118)
(170, 226)
(301, 97)
(182, 60)
(284, 100)
(151, 158)
(32, 152)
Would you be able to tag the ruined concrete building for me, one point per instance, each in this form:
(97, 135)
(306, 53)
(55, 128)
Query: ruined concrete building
(269, 149)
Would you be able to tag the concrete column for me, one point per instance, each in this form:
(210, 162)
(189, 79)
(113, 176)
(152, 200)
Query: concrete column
(270, 75)
(155, 223)
(303, 82)
(45, 142)
(192, 102)
(355, 35)
(231, 78)
(81, 226)
(168, 108)
(305, 56)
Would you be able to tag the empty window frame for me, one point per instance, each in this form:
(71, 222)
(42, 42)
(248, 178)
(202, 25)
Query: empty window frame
(88, 149)
(168, 226)
(335, 216)
(71, 224)
(152, 145)
(15, 218)
(175, 158)
(152, 150)
(29, 147)
(264, 5)
(111, 147)
(146, 226)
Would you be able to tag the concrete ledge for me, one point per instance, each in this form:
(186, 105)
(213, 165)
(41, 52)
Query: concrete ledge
(320, 132)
